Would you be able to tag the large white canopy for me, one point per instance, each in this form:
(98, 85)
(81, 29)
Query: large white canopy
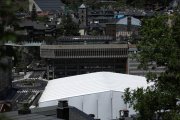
(90, 83)
(97, 93)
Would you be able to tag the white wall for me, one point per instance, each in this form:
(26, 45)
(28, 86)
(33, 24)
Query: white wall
(82, 32)
(118, 103)
(104, 105)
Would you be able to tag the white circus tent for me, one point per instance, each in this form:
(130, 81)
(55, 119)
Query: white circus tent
(98, 93)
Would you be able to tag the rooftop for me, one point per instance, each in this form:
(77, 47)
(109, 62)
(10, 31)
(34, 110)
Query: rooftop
(94, 46)
(90, 83)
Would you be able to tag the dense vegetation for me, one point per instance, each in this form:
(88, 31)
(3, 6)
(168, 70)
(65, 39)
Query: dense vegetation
(160, 44)
(67, 27)
(7, 19)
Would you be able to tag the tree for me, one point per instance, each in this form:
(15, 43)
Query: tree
(7, 19)
(68, 27)
(159, 44)
(33, 12)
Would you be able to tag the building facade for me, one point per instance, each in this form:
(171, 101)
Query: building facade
(124, 27)
(84, 57)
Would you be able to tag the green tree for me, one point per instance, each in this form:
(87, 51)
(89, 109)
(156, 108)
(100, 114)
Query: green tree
(160, 44)
(7, 18)
(120, 3)
(141, 3)
(68, 27)
(33, 12)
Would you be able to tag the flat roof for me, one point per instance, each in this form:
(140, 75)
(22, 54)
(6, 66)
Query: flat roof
(86, 37)
(90, 46)
(89, 84)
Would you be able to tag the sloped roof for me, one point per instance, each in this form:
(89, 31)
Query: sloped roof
(82, 6)
(89, 84)
(47, 5)
(124, 21)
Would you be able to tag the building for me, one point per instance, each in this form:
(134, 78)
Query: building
(94, 19)
(83, 15)
(83, 20)
(98, 93)
(84, 54)
(34, 31)
(110, 22)
(100, 16)
(126, 26)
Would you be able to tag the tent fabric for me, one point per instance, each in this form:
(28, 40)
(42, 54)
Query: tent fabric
(85, 84)
(97, 93)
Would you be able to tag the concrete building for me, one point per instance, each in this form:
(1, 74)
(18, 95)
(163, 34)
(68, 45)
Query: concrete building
(94, 19)
(123, 27)
(78, 55)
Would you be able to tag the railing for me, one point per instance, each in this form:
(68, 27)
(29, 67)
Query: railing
(9, 43)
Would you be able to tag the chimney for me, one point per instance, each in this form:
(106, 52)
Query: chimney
(129, 23)
(63, 110)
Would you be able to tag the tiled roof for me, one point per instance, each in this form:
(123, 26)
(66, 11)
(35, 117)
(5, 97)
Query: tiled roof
(47, 5)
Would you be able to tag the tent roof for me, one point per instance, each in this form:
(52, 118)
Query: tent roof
(90, 83)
